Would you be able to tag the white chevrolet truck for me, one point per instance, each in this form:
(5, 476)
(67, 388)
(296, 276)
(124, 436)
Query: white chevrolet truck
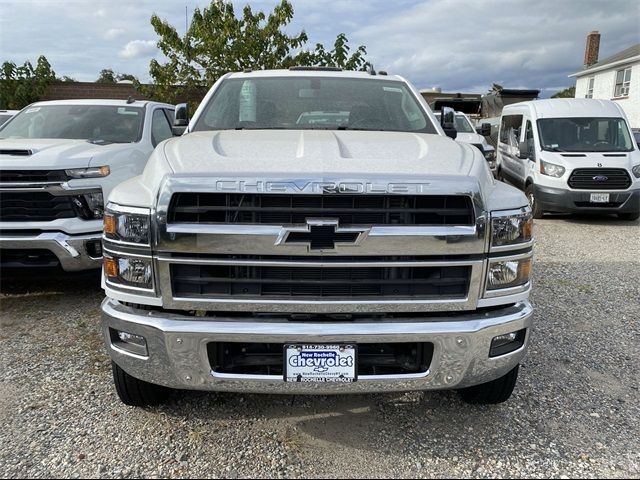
(364, 252)
(59, 160)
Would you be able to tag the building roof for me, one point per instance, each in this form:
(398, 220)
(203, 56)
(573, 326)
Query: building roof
(629, 54)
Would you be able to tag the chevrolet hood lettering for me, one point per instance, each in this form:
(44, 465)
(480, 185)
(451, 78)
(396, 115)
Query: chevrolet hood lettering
(350, 187)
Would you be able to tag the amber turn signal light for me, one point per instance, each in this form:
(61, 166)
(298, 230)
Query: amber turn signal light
(109, 224)
(110, 267)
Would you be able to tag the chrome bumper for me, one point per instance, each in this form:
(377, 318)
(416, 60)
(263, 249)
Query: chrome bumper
(70, 250)
(178, 357)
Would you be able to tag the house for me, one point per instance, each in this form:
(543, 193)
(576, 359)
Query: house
(615, 78)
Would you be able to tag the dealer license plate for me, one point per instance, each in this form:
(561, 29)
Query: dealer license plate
(599, 198)
(320, 363)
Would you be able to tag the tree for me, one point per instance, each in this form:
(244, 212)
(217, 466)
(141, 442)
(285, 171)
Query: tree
(107, 75)
(566, 93)
(20, 86)
(217, 42)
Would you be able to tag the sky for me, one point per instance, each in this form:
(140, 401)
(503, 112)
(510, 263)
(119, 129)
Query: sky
(459, 46)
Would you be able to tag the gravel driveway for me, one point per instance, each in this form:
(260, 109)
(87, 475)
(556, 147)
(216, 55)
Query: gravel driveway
(575, 412)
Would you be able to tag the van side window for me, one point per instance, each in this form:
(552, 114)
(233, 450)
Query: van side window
(528, 138)
(510, 129)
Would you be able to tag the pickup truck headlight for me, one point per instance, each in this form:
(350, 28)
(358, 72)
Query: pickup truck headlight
(508, 273)
(636, 171)
(93, 172)
(129, 272)
(551, 169)
(89, 206)
(127, 224)
(511, 227)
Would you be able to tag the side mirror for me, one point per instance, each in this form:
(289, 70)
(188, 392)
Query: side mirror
(447, 120)
(181, 119)
(524, 150)
(484, 129)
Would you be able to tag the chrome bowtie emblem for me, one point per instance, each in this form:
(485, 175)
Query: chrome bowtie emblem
(321, 235)
(600, 178)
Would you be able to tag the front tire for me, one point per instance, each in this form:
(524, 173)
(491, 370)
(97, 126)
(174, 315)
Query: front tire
(536, 210)
(135, 392)
(491, 393)
(630, 216)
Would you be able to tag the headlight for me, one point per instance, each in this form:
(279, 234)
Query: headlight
(93, 172)
(551, 169)
(511, 227)
(89, 206)
(129, 272)
(490, 155)
(636, 171)
(127, 224)
(508, 273)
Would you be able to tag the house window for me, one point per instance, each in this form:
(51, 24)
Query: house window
(623, 80)
(590, 83)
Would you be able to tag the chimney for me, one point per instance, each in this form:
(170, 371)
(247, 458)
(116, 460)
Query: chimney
(592, 49)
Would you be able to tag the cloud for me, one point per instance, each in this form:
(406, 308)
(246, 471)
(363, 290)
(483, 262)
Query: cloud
(113, 33)
(138, 48)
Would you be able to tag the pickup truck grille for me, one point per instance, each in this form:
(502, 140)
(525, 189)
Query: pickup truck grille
(223, 208)
(34, 207)
(32, 176)
(247, 281)
(609, 179)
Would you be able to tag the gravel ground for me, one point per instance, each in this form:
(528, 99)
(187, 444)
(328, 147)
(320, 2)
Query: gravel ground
(575, 412)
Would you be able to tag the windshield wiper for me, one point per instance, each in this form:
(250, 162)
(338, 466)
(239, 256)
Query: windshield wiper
(555, 149)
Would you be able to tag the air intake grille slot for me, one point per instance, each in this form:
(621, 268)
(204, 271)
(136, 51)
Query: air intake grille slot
(600, 179)
(32, 176)
(34, 207)
(16, 152)
(212, 281)
(221, 208)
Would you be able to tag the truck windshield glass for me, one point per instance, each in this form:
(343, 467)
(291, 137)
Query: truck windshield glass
(314, 103)
(584, 134)
(96, 123)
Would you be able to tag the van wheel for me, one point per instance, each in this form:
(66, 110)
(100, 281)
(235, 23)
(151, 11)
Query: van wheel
(632, 216)
(135, 392)
(491, 393)
(536, 211)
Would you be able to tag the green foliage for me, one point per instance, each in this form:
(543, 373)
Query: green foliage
(20, 86)
(218, 42)
(566, 93)
(107, 75)
(496, 88)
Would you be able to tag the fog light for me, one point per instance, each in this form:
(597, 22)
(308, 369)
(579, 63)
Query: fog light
(507, 343)
(129, 342)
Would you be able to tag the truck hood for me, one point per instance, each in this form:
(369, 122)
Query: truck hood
(288, 153)
(54, 153)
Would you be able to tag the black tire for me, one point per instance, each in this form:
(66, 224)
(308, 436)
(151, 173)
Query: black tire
(536, 211)
(630, 216)
(137, 393)
(491, 393)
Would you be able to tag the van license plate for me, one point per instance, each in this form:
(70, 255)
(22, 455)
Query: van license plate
(599, 198)
(320, 363)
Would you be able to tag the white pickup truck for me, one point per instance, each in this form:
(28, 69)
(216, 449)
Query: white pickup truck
(362, 251)
(58, 161)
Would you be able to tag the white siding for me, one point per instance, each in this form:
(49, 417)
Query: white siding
(604, 86)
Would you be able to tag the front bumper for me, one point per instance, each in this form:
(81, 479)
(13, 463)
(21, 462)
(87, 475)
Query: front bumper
(70, 250)
(178, 358)
(575, 201)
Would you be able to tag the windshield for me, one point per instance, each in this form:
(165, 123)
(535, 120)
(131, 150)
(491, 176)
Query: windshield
(99, 124)
(4, 118)
(584, 134)
(316, 103)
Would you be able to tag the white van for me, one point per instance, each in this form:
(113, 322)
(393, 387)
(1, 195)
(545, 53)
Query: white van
(571, 155)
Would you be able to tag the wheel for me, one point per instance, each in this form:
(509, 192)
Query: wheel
(535, 206)
(630, 216)
(137, 393)
(491, 393)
